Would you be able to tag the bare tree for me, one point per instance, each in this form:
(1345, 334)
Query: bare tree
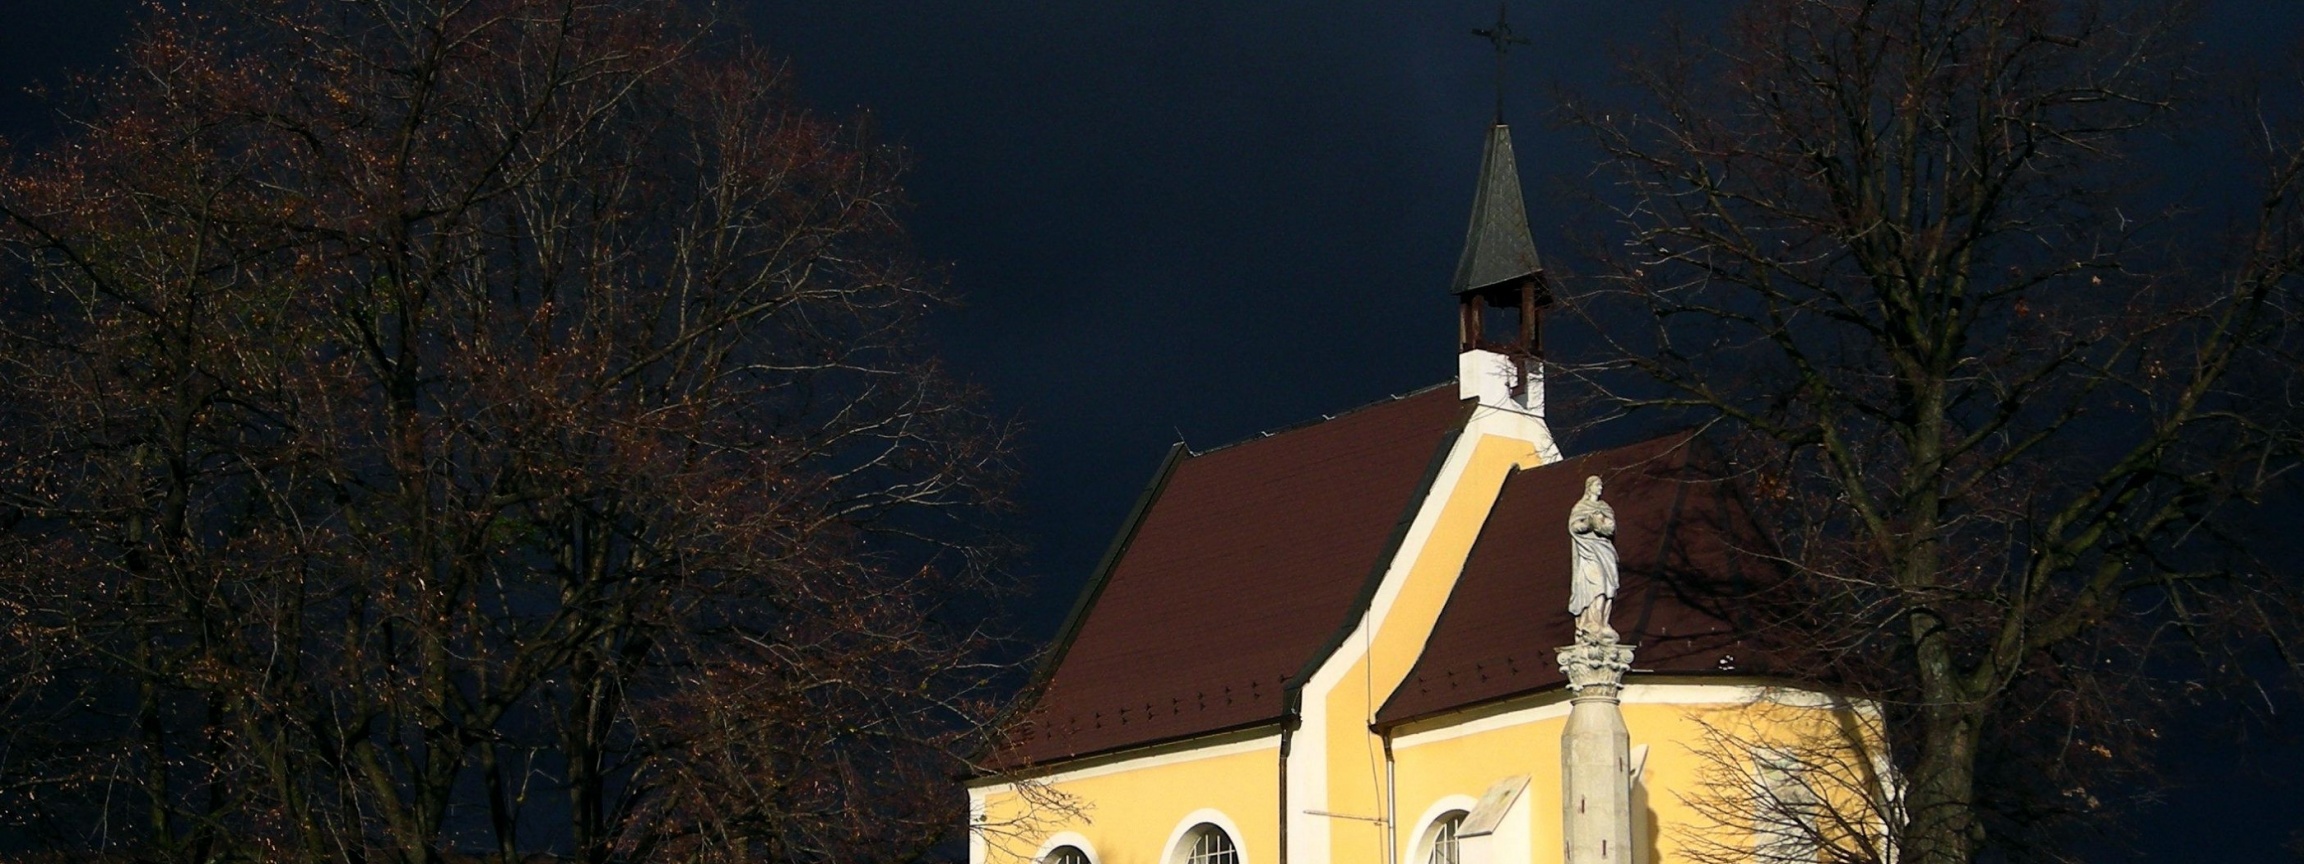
(444, 428)
(2006, 404)
(1787, 783)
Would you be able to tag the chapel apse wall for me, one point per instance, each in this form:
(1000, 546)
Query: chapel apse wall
(1130, 811)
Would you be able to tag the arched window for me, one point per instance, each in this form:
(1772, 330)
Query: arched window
(1443, 848)
(1786, 814)
(1210, 845)
(1065, 855)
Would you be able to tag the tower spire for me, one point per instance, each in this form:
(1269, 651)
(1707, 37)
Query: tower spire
(1497, 246)
(1499, 284)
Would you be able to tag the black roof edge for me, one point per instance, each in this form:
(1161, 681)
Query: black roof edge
(1294, 700)
(1074, 619)
(1277, 724)
(1386, 726)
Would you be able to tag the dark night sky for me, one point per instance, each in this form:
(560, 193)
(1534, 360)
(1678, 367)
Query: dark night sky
(1211, 219)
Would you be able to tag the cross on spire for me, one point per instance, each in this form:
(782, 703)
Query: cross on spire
(1502, 37)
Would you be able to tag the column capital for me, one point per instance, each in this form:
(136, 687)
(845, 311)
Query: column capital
(1595, 667)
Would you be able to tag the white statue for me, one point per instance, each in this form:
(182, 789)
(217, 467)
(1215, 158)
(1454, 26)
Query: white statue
(1592, 575)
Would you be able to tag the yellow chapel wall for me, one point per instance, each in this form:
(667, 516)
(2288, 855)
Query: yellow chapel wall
(1681, 724)
(1356, 777)
(1132, 811)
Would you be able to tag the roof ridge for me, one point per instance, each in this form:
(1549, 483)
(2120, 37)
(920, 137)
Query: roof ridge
(1324, 418)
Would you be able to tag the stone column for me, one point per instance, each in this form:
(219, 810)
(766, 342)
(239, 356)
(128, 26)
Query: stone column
(1596, 754)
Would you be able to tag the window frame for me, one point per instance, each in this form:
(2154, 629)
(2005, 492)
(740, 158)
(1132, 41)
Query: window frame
(1208, 843)
(1184, 839)
(1053, 843)
(1442, 830)
(1414, 843)
(1783, 802)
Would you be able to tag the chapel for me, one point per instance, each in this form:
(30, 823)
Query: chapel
(1349, 641)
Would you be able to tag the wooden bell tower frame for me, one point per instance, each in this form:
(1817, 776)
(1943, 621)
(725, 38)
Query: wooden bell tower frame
(1527, 295)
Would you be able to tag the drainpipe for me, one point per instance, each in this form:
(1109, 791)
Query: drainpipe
(1287, 740)
(1391, 805)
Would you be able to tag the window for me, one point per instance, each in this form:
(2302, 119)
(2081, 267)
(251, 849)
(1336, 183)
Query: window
(1065, 855)
(1784, 817)
(1444, 848)
(1210, 845)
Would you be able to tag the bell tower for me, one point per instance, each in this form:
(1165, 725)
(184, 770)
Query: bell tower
(1500, 290)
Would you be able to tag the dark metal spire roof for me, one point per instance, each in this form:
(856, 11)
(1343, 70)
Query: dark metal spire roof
(1497, 247)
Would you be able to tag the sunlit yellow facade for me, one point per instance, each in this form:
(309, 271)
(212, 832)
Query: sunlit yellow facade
(1330, 785)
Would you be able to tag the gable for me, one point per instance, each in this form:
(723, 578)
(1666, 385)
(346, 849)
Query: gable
(1243, 564)
(1686, 551)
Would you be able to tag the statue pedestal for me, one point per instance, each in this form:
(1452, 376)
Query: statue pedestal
(1596, 754)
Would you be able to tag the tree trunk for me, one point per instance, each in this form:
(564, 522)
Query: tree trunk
(1940, 801)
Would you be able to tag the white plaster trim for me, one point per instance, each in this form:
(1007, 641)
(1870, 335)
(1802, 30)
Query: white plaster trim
(1180, 837)
(1267, 742)
(977, 848)
(1508, 423)
(1066, 838)
(1485, 422)
(1155, 760)
(1487, 377)
(1634, 694)
(1490, 723)
(1308, 834)
(1420, 846)
(1307, 765)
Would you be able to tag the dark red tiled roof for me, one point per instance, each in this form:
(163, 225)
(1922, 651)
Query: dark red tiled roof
(1246, 561)
(1686, 550)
